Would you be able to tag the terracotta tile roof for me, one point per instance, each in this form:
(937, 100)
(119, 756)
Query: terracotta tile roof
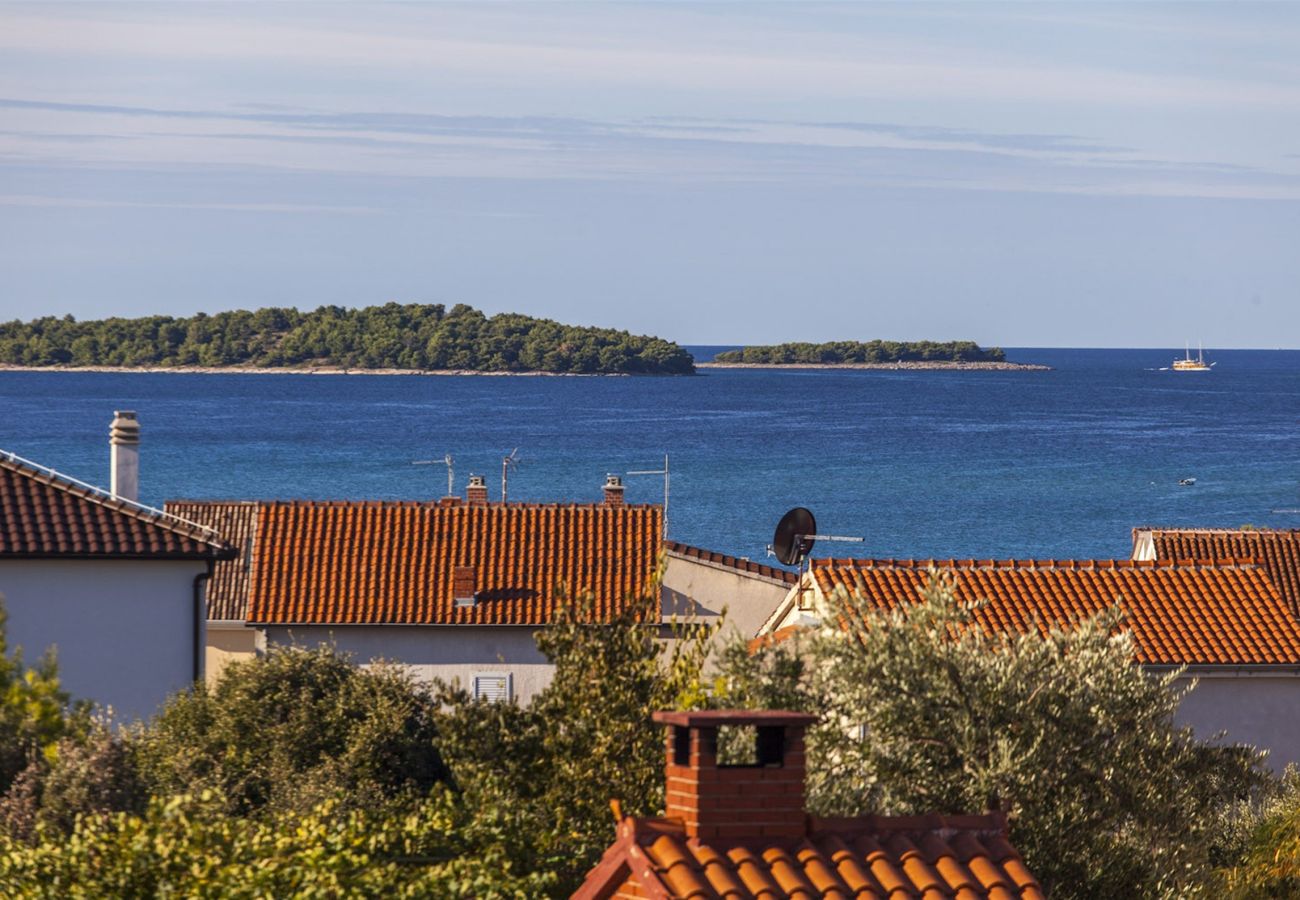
(236, 522)
(870, 858)
(363, 563)
(1228, 612)
(47, 515)
(1278, 550)
(750, 567)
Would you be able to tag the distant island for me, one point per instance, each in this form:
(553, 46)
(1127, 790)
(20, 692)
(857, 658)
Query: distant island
(870, 355)
(393, 337)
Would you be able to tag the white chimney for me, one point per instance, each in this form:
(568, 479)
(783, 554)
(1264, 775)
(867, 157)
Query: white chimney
(124, 441)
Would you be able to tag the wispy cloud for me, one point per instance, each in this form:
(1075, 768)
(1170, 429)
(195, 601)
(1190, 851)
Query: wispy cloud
(410, 144)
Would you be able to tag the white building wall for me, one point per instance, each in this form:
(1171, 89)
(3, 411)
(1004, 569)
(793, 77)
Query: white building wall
(122, 629)
(448, 652)
(1254, 708)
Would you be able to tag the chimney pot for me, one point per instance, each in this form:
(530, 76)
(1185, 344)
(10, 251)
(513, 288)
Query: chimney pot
(124, 455)
(613, 490)
(716, 800)
(476, 494)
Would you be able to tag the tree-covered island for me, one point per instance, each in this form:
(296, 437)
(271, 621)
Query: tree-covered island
(414, 337)
(860, 352)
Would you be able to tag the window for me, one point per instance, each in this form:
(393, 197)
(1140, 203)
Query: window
(494, 686)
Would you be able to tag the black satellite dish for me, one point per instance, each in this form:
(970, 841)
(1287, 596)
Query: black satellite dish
(793, 541)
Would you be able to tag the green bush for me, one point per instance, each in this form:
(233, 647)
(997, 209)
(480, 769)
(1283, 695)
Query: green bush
(291, 728)
(923, 711)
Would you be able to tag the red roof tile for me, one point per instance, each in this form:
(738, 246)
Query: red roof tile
(236, 522)
(1278, 550)
(1180, 613)
(373, 563)
(47, 515)
(870, 857)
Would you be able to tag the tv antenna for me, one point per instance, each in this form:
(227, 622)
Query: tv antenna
(793, 542)
(667, 477)
(508, 462)
(445, 461)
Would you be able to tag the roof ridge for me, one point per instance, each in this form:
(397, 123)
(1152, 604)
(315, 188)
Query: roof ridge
(94, 494)
(735, 562)
(1037, 565)
(1210, 529)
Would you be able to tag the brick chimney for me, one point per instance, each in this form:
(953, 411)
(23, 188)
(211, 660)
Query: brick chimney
(464, 585)
(476, 493)
(613, 490)
(124, 455)
(764, 799)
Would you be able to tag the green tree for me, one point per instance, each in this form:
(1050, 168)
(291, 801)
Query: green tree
(35, 711)
(539, 778)
(292, 728)
(924, 711)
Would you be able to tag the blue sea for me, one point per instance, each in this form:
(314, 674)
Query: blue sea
(919, 464)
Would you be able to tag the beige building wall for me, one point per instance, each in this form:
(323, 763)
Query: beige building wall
(228, 642)
(703, 589)
(429, 652)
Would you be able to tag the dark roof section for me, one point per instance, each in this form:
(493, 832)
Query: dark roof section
(236, 522)
(45, 515)
(1278, 550)
(745, 566)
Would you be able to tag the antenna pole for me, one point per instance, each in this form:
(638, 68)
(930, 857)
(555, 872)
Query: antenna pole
(667, 477)
(505, 465)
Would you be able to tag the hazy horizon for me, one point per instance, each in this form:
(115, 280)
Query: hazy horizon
(1045, 175)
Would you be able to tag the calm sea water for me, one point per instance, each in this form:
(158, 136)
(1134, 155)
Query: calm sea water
(920, 464)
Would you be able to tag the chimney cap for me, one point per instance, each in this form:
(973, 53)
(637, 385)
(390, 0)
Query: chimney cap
(477, 481)
(714, 718)
(613, 481)
(125, 428)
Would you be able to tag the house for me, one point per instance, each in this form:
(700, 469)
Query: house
(115, 588)
(1225, 622)
(703, 584)
(1278, 550)
(229, 636)
(453, 589)
(742, 831)
(380, 580)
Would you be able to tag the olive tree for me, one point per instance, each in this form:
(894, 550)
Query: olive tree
(922, 710)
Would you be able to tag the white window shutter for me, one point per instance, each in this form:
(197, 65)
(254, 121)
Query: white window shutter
(493, 686)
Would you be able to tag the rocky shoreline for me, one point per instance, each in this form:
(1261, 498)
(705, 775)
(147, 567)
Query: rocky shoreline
(914, 365)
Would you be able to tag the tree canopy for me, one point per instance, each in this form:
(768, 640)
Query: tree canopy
(923, 711)
(845, 352)
(392, 336)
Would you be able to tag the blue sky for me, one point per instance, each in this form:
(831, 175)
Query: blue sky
(1024, 174)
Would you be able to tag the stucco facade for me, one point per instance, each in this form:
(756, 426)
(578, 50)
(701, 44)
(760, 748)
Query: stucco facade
(703, 589)
(447, 652)
(1259, 706)
(122, 629)
(228, 642)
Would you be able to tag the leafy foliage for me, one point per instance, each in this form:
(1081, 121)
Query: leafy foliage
(1267, 864)
(34, 711)
(291, 729)
(395, 336)
(838, 352)
(924, 711)
(539, 778)
(187, 846)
